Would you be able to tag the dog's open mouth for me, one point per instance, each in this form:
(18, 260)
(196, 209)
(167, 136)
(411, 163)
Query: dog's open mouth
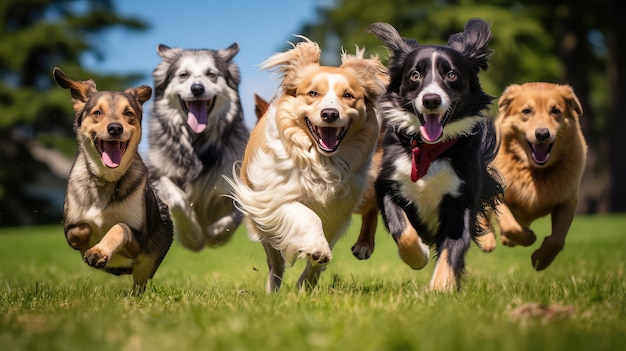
(328, 138)
(432, 125)
(197, 112)
(111, 151)
(540, 152)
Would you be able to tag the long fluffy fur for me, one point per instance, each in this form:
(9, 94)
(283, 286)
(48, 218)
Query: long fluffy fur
(297, 199)
(441, 209)
(187, 166)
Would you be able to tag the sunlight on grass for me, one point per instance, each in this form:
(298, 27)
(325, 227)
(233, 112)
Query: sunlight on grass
(215, 299)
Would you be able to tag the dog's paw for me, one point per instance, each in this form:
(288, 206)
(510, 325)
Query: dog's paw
(487, 242)
(96, 258)
(548, 251)
(362, 251)
(525, 237)
(320, 257)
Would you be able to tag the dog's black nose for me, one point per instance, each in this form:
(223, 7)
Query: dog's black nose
(431, 101)
(329, 114)
(115, 129)
(542, 134)
(197, 89)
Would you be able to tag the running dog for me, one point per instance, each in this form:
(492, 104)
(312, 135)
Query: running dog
(197, 132)
(111, 212)
(307, 160)
(542, 159)
(435, 178)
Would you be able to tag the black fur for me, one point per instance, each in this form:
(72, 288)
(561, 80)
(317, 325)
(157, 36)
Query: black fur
(455, 79)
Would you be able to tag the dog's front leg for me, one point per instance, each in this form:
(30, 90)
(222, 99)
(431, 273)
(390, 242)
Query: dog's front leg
(562, 218)
(276, 265)
(77, 236)
(511, 231)
(223, 229)
(186, 228)
(119, 236)
(411, 249)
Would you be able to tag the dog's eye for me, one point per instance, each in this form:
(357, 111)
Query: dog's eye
(526, 111)
(452, 75)
(183, 74)
(211, 75)
(415, 75)
(312, 93)
(348, 95)
(128, 114)
(555, 111)
(97, 113)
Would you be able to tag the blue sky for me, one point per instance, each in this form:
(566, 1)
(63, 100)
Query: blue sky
(260, 27)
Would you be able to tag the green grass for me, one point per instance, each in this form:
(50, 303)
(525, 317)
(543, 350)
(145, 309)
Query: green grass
(216, 300)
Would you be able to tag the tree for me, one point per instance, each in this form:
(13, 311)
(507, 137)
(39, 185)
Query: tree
(36, 136)
(558, 41)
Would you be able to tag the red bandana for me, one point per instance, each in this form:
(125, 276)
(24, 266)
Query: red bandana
(424, 155)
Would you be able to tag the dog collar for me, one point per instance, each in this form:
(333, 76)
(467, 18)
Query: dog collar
(423, 154)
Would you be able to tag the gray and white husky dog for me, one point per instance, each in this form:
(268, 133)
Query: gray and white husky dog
(197, 132)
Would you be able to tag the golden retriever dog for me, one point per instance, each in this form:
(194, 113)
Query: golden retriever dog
(541, 158)
(112, 214)
(307, 160)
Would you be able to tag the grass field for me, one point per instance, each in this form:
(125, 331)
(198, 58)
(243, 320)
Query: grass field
(216, 300)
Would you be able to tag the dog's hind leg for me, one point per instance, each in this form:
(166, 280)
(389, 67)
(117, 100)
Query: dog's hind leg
(186, 228)
(451, 251)
(276, 265)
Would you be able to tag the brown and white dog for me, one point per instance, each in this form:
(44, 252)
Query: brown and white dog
(542, 157)
(306, 163)
(111, 213)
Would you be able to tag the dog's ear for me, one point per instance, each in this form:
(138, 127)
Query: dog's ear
(228, 53)
(472, 42)
(260, 106)
(507, 97)
(166, 53)
(80, 90)
(292, 63)
(399, 48)
(141, 93)
(572, 100)
(371, 73)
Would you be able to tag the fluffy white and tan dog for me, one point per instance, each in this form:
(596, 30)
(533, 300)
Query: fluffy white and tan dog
(306, 163)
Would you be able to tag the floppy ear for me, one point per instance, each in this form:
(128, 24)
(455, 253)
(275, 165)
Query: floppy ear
(141, 93)
(80, 90)
(292, 63)
(371, 73)
(472, 42)
(571, 99)
(507, 96)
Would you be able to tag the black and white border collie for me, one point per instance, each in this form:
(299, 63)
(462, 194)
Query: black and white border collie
(435, 178)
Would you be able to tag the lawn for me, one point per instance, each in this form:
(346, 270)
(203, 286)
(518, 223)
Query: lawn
(215, 299)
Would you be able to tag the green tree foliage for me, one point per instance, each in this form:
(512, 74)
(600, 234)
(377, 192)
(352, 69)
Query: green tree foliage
(36, 115)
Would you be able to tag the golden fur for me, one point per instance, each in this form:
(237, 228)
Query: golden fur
(307, 159)
(544, 181)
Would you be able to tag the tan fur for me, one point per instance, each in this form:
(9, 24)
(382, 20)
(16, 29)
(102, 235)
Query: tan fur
(533, 190)
(297, 195)
(111, 213)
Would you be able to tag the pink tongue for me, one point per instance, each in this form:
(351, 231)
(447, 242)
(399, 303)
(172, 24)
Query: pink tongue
(112, 155)
(197, 116)
(432, 129)
(329, 137)
(540, 153)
